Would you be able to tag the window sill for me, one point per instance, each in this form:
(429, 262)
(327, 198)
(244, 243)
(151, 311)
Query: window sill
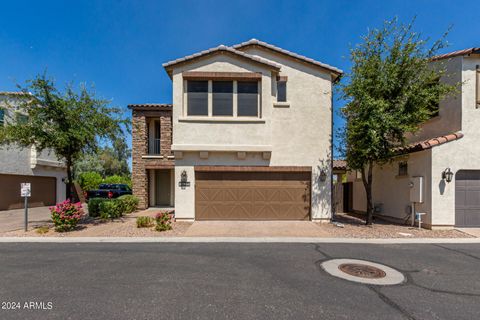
(284, 104)
(222, 119)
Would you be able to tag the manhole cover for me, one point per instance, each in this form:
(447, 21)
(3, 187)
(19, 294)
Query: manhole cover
(362, 270)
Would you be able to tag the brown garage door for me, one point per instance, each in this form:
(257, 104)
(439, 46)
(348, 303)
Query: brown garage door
(467, 198)
(252, 195)
(43, 191)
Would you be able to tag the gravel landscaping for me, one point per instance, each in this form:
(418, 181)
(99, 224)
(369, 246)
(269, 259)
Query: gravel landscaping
(345, 226)
(121, 227)
(352, 226)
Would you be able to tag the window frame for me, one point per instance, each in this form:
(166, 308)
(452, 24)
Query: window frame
(210, 114)
(2, 117)
(402, 169)
(187, 92)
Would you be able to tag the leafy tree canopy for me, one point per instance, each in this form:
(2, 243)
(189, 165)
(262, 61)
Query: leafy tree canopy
(71, 122)
(391, 89)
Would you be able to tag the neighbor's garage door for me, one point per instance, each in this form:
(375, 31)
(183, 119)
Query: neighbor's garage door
(43, 191)
(467, 198)
(252, 195)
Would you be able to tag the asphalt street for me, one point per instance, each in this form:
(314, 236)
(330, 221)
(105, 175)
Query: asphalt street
(233, 281)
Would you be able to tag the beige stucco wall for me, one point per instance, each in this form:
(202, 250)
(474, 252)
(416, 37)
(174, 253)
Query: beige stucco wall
(297, 135)
(463, 154)
(449, 119)
(458, 113)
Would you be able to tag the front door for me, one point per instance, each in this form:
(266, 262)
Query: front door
(163, 188)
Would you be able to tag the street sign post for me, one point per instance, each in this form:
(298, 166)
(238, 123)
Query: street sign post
(26, 191)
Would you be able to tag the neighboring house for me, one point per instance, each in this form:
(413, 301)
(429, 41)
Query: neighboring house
(17, 165)
(447, 143)
(251, 140)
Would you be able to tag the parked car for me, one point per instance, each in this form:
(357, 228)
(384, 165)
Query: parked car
(107, 190)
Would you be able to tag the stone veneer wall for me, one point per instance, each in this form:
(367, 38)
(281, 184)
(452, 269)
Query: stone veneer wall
(140, 149)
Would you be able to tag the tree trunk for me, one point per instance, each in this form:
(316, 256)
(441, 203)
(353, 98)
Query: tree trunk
(367, 183)
(69, 180)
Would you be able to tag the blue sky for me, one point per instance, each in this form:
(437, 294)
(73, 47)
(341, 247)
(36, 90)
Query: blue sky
(119, 46)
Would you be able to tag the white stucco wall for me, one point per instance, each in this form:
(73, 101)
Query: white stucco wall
(297, 135)
(26, 161)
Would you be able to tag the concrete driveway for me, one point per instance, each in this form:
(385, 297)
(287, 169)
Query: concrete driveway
(11, 220)
(255, 229)
(471, 231)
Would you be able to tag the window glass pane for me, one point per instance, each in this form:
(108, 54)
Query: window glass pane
(281, 91)
(222, 98)
(2, 117)
(247, 93)
(197, 95)
(21, 118)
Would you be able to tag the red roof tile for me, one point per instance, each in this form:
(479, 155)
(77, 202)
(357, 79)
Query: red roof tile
(430, 143)
(463, 52)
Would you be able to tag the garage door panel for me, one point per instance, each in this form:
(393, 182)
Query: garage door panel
(467, 198)
(43, 191)
(266, 196)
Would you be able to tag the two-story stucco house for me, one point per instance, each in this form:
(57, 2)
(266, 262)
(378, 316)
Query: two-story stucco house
(448, 143)
(248, 137)
(18, 165)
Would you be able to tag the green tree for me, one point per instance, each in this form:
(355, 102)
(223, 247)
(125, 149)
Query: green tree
(391, 89)
(69, 122)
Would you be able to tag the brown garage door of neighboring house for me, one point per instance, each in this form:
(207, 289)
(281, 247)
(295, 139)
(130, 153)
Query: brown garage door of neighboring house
(44, 190)
(467, 198)
(252, 195)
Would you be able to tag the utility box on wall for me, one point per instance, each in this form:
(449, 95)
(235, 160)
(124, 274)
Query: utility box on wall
(416, 189)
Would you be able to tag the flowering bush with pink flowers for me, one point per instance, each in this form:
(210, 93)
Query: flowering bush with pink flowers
(164, 220)
(66, 215)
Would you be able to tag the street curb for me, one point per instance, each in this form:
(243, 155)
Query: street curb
(233, 240)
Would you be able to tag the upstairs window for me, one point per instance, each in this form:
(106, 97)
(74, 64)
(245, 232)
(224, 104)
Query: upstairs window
(247, 98)
(197, 95)
(402, 169)
(21, 118)
(281, 90)
(222, 104)
(2, 117)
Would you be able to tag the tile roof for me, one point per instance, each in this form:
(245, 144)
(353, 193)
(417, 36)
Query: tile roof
(14, 93)
(221, 49)
(339, 164)
(151, 106)
(430, 143)
(255, 42)
(463, 52)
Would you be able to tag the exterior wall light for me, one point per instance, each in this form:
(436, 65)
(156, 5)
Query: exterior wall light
(323, 176)
(447, 175)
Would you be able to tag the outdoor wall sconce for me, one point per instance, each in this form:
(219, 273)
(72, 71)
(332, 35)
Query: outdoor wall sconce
(323, 176)
(447, 175)
(183, 176)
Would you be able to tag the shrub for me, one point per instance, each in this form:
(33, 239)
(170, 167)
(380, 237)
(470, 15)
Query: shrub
(94, 206)
(66, 215)
(89, 180)
(129, 203)
(110, 209)
(144, 222)
(164, 220)
(118, 179)
(42, 229)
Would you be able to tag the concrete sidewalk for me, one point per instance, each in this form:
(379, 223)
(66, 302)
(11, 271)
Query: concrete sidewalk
(11, 220)
(255, 229)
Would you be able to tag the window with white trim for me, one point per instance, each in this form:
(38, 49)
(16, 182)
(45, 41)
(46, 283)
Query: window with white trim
(281, 91)
(247, 95)
(222, 98)
(197, 93)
